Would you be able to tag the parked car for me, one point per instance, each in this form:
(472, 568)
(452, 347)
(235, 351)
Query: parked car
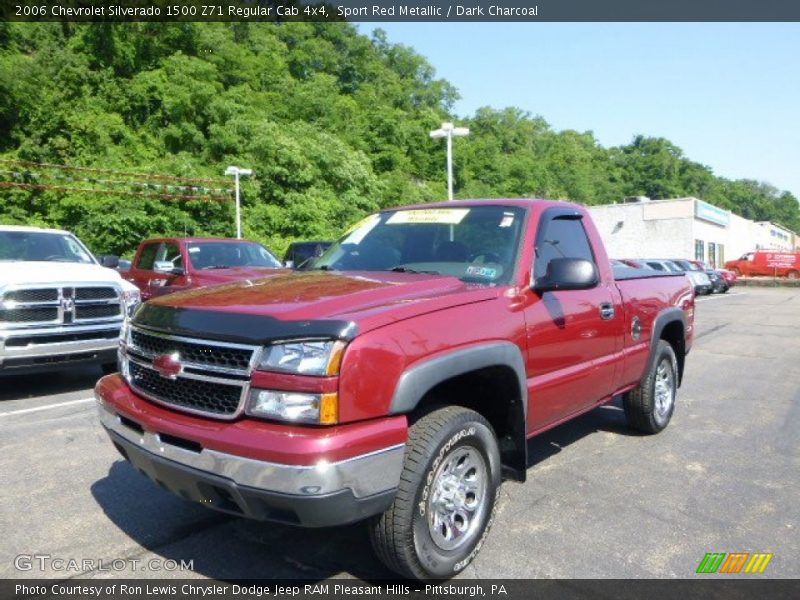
(299, 252)
(58, 306)
(700, 279)
(718, 283)
(399, 380)
(729, 277)
(166, 265)
(774, 263)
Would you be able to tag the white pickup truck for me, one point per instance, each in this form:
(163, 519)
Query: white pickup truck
(58, 305)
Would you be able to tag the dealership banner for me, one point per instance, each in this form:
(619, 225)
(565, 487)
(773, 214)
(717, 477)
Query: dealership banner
(391, 10)
(512, 589)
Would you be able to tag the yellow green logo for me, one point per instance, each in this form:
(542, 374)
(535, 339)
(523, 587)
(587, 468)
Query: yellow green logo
(734, 562)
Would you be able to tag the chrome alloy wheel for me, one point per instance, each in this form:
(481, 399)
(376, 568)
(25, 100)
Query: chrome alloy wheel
(664, 388)
(457, 501)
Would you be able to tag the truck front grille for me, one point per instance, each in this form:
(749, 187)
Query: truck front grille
(196, 395)
(34, 295)
(213, 378)
(59, 305)
(95, 293)
(201, 353)
(85, 312)
(43, 314)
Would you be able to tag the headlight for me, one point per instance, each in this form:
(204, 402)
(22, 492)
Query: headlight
(304, 358)
(132, 299)
(298, 407)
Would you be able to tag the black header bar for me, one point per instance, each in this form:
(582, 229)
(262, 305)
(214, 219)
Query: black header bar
(120, 11)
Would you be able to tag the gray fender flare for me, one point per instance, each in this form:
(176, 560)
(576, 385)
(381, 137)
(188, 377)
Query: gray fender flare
(664, 318)
(420, 378)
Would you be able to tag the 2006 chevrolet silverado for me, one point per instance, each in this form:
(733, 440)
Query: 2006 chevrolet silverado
(399, 379)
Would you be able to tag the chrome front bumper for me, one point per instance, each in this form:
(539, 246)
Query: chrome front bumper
(31, 343)
(364, 484)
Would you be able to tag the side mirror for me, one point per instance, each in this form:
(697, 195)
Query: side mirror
(109, 260)
(166, 266)
(568, 274)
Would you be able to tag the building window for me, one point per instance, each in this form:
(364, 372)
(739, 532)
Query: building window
(699, 250)
(712, 254)
(720, 255)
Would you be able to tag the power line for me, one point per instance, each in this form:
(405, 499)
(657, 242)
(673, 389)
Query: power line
(55, 188)
(28, 163)
(118, 182)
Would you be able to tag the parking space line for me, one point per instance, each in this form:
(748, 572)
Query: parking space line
(718, 296)
(49, 406)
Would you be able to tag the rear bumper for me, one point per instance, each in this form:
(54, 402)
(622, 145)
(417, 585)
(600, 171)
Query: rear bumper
(326, 489)
(44, 348)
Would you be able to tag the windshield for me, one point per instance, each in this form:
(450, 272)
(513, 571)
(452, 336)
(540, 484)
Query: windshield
(223, 255)
(686, 265)
(42, 246)
(476, 244)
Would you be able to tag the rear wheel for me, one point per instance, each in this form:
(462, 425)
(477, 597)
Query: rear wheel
(649, 407)
(446, 499)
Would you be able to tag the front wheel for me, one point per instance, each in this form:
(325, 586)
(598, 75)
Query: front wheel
(445, 503)
(649, 407)
(793, 274)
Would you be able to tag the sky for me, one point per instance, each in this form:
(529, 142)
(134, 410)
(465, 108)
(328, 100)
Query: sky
(728, 94)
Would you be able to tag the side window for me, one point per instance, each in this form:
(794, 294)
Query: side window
(561, 238)
(172, 253)
(656, 266)
(147, 257)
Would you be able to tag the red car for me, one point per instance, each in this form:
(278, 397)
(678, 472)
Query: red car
(166, 265)
(399, 380)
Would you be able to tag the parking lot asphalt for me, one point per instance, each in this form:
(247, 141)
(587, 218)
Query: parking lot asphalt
(600, 501)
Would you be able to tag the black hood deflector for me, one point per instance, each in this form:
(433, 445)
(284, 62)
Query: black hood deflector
(237, 327)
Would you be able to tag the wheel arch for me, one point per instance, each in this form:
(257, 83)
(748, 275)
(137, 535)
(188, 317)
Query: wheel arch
(462, 377)
(670, 326)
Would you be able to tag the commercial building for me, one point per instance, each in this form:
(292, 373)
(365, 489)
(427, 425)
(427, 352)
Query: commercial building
(684, 228)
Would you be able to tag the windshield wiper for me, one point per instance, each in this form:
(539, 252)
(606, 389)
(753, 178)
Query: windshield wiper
(215, 267)
(407, 270)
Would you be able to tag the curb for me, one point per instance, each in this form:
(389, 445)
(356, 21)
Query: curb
(768, 282)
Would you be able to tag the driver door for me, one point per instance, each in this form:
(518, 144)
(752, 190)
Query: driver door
(572, 335)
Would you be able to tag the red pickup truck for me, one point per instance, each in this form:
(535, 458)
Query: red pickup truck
(399, 379)
(166, 265)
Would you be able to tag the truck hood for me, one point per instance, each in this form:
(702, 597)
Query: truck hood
(231, 274)
(366, 300)
(44, 272)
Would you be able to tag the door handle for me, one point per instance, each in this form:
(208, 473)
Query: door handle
(607, 311)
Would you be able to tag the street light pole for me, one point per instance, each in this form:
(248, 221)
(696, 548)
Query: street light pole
(448, 131)
(236, 172)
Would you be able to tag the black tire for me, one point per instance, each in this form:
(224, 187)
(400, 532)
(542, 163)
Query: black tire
(647, 408)
(109, 368)
(403, 538)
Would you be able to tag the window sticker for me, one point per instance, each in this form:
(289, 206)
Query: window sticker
(194, 248)
(486, 272)
(360, 230)
(508, 220)
(438, 216)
